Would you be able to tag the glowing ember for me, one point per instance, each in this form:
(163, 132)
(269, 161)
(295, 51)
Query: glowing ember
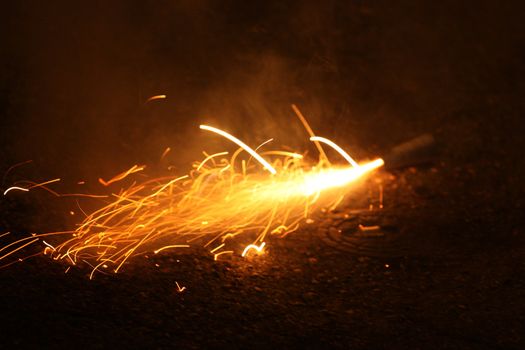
(121, 176)
(225, 204)
(257, 248)
(156, 97)
(179, 288)
(32, 185)
(13, 188)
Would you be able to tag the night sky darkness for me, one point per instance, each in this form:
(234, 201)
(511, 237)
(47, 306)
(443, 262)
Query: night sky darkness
(74, 79)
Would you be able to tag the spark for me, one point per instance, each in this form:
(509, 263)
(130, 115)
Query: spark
(264, 143)
(49, 245)
(216, 256)
(12, 167)
(123, 175)
(210, 157)
(369, 228)
(171, 246)
(34, 185)
(284, 153)
(18, 248)
(156, 97)
(322, 154)
(12, 188)
(380, 196)
(217, 248)
(341, 151)
(81, 195)
(225, 168)
(247, 148)
(179, 288)
(258, 248)
(166, 151)
(45, 183)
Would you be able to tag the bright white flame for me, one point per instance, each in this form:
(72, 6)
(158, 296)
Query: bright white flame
(336, 178)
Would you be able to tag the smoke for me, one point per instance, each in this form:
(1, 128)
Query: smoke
(74, 77)
(78, 76)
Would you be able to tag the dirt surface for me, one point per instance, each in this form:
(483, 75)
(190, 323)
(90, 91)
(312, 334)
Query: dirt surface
(446, 269)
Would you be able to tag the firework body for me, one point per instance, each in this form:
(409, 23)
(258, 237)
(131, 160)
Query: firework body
(416, 151)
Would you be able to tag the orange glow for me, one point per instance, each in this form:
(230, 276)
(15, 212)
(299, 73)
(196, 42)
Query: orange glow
(225, 203)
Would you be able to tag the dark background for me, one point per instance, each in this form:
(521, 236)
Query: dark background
(74, 78)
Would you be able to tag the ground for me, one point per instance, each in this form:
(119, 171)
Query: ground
(447, 267)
